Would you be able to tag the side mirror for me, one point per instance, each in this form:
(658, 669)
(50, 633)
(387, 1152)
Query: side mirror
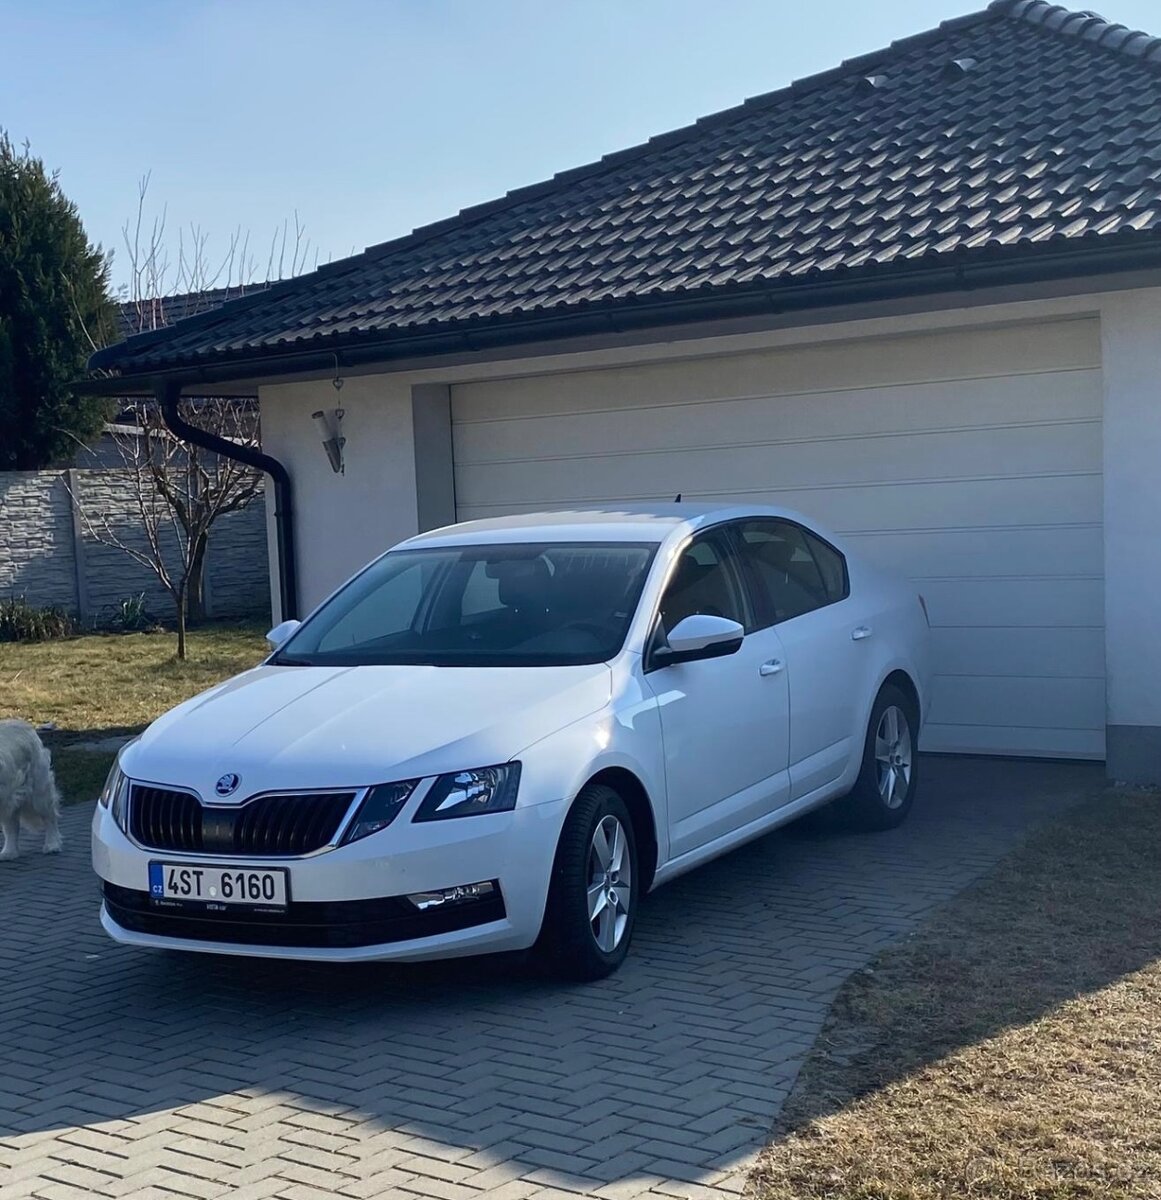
(699, 636)
(278, 635)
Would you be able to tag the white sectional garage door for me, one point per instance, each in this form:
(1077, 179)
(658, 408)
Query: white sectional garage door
(970, 461)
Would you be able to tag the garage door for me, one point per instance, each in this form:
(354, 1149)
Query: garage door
(969, 461)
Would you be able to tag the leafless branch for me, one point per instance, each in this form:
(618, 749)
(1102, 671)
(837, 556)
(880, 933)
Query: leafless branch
(181, 490)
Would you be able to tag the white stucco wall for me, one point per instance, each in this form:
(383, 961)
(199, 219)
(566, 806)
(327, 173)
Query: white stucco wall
(1131, 345)
(342, 521)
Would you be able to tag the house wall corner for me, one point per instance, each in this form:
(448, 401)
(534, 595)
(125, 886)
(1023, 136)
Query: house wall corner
(1131, 353)
(343, 520)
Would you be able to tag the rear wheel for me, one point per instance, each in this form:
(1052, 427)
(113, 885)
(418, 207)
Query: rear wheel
(885, 789)
(592, 898)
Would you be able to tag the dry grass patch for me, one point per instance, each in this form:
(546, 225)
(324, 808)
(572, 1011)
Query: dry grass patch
(80, 774)
(88, 686)
(1011, 1050)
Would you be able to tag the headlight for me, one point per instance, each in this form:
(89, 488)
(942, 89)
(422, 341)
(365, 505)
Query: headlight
(470, 793)
(380, 807)
(114, 795)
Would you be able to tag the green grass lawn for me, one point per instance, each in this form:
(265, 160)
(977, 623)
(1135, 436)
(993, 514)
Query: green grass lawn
(102, 685)
(80, 773)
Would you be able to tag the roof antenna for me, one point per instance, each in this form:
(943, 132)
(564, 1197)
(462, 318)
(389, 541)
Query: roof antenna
(677, 498)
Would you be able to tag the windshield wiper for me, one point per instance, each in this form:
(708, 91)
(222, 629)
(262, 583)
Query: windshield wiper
(284, 660)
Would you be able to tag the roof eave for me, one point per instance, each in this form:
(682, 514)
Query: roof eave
(961, 271)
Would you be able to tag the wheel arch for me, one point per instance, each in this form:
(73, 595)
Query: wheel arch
(901, 680)
(636, 798)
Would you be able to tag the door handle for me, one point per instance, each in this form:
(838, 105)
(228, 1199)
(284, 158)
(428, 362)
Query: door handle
(860, 632)
(772, 667)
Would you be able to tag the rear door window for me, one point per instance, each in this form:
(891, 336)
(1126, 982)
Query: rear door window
(831, 565)
(792, 571)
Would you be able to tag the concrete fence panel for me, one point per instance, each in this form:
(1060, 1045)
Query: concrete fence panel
(36, 539)
(50, 554)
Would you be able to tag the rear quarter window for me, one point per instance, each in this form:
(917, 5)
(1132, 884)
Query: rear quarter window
(831, 566)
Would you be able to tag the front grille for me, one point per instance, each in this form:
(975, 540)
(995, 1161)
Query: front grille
(271, 825)
(335, 923)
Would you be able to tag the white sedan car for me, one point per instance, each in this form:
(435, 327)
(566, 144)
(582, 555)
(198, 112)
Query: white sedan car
(503, 734)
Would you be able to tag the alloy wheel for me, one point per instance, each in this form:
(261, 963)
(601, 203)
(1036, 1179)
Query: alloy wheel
(893, 755)
(610, 889)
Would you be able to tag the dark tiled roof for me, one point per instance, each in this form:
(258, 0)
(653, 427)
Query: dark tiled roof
(1000, 136)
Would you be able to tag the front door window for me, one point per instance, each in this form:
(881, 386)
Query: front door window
(705, 580)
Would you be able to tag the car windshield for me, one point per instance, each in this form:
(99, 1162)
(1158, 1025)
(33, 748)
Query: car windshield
(518, 604)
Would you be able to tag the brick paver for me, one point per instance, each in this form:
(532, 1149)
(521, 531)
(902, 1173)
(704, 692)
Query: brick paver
(138, 1074)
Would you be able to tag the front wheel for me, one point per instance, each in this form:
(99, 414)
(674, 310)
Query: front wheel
(885, 789)
(592, 897)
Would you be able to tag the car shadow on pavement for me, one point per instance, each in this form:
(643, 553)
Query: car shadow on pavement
(477, 1072)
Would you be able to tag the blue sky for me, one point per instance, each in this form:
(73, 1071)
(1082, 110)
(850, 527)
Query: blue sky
(370, 117)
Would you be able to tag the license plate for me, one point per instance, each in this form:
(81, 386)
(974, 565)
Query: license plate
(218, 887)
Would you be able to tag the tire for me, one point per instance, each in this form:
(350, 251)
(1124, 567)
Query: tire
(573, 945)
(889, 776)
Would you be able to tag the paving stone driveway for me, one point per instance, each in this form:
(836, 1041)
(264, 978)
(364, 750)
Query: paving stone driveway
(125, 1073)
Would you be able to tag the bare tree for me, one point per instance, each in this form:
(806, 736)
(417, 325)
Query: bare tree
(158, 274)
(179, 491)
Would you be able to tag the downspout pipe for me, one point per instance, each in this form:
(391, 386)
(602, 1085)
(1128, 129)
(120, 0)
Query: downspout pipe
(168, 393)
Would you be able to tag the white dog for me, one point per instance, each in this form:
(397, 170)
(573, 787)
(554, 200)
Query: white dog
(27, 788)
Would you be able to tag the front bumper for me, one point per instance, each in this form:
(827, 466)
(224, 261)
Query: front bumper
(349, 904)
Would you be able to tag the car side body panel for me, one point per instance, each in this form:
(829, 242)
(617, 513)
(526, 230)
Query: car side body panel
(724, 725)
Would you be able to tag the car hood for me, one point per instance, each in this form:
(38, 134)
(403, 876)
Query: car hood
(281, 728)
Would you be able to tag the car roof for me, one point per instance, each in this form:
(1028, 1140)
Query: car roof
(622, 523)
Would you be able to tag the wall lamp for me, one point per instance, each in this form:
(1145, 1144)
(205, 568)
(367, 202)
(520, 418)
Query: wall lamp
(329, 424)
